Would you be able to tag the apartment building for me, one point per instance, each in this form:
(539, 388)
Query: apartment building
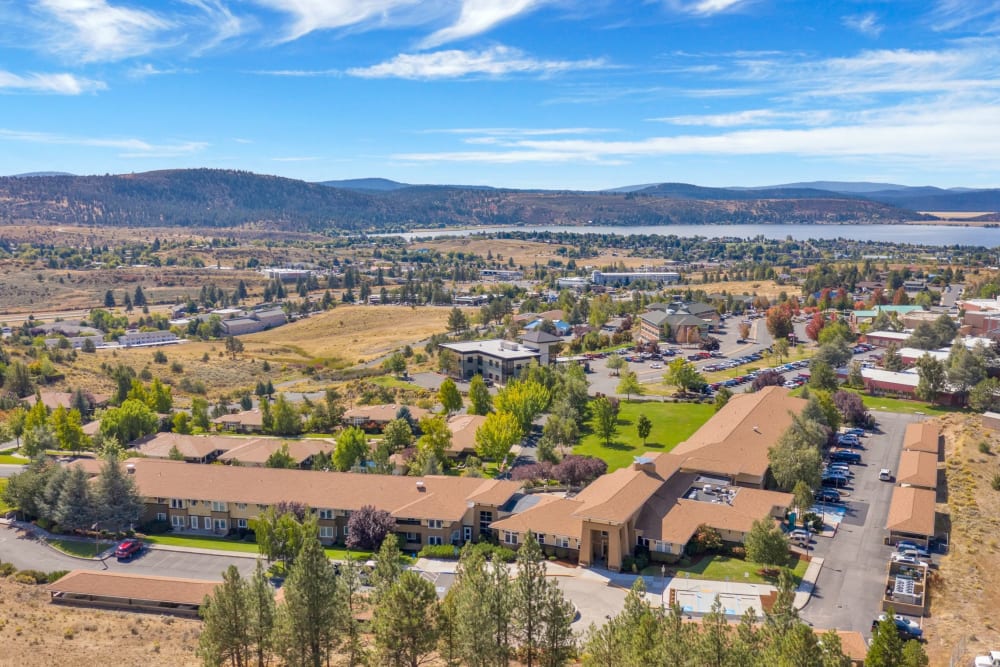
(213, 499)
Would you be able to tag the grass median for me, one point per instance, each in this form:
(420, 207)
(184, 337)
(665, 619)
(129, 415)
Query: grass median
(79, 548)
(224, 544)
(726, 568)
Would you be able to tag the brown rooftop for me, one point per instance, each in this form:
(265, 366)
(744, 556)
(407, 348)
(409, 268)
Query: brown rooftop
(256, 451)
(618, 496)
(911, 511)
(146, 588)
(158, 446)
(923, 437)
(381, 413)
(55, 399)
(552, 515)
(917, 469)
(737, 438)
(250, 418)
(431, 497)
(463, 433)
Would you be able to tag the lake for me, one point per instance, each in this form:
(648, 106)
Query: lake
(932, 235)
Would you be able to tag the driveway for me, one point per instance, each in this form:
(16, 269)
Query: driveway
(850, 585)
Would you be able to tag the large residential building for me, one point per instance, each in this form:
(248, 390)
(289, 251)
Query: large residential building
(497, 360)
(715, 478)
(660, 325)
(627, 278)
(213, 499)
(144, 338)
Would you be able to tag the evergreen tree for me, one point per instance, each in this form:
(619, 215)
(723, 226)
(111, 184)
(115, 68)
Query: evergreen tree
(225, 636)
(75, 507)
(116, 499)
(405, 622)
(528, 598)
(109, 299)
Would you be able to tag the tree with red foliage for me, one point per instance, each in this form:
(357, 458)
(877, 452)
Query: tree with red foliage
(368, 527)
(816, 325)
(534, 472)
(767, 378)
(575, 470)
(851, 407)
(900, 297)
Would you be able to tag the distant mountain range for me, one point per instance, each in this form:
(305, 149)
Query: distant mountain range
(223, 198)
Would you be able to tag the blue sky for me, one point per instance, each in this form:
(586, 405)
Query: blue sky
(517, 93)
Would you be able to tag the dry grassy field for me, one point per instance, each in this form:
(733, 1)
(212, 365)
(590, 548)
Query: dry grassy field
(955, 215)
(965, 592)
(35, 633)
(525, 253)
(349, 334)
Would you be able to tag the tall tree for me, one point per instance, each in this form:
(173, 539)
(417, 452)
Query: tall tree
(480, 401)
(529, 589)
(629, 384)
(558, 644)
(643, 427)
(397, 435)
(351, 449)
(615, 363)
(605, 418)
(116, 498)
(75, 508)
(405, 621)
(287, 420)
(683, 375)
(450, 399)
(435, 438)
(933, 377)
(766, 543)
(457, 321)
(260, 611)
(497, 434)
(388, 567)
(308, 619)
(886, 649)
(225, 636)
(525, 400)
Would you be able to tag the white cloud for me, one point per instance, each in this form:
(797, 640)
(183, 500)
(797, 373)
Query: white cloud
(945, 132)
(133, 147)
(311, 15)
(299, 72)
(479, 16)
(751, 117)
(95, 30)
(867, 24)
(220, 20)
(59, 84)
(519, 131)
(982, 15)
(146, 70)
(706, 7)
(496, 61)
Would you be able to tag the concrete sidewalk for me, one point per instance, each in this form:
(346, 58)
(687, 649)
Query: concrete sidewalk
(805, 590)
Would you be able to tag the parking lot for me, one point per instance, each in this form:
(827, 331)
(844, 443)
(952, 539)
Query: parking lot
(850, 585)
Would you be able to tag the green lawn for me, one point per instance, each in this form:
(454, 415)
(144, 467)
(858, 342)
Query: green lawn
(723, 568)
(8, 459)
(82, 548)
(4, 507)
(898, 405)
(223, 544)
(672, 423)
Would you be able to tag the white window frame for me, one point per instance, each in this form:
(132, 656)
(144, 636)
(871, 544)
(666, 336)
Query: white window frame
(194, 521)
(178, 521)
(326, 514)
(241, 523)
(434, 540)
(435, 523)
(412, 537)
(467, 533)
(220, 524)
(161, 516)
(541, 538)
(218, 506)
(176, 504)
(328, 532)
(509, 537)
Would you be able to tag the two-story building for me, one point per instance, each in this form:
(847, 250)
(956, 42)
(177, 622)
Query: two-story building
(496, 360)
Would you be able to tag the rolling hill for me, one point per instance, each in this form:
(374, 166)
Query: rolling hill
(222, 198)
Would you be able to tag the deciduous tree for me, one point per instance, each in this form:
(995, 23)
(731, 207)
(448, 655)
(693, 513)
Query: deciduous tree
(766, 543)
(368, 527)
(605, 419)
(643, 427)
(351, 449)
(498, 433)
(449, 397)
(480, 401)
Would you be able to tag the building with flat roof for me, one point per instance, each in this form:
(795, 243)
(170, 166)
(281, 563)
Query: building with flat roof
(627, 278)
(143, 338)
(131, 592)
(497, 360)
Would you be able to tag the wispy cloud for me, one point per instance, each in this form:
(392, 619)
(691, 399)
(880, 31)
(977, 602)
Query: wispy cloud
(95, 30)
(146, 70)
(310, 15)
(497, 61)
(981, 15)
(304, 73)
(58, 84)
(706, 7)
(751, 117)
(479, 16)
(519, 131)
(867, 24)
(133, 147)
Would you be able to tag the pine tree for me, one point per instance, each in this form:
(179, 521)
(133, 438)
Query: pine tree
(558, 644)
(473, 621)
(225, 636)
(405, 621)
(117, 501)
(528, 597)
(75, 507)
(352, 604)
(260, 611)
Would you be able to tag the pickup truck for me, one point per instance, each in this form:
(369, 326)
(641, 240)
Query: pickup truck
(991, 660)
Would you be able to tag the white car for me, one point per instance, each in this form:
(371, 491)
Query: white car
(885, 475)
(907, 559)
(656, 365)
(800, 535)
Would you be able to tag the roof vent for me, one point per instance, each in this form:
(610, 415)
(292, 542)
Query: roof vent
(756, 429)
(421, 487)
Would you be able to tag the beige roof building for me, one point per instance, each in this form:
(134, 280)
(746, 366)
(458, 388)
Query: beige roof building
(194, 448)
(145, 593)
(256, 451)
(923, 437)
(380, 414)
(660, 501)
(55, 399)
(463, 433)
(917, 469)
(248, 421)
(911, 513)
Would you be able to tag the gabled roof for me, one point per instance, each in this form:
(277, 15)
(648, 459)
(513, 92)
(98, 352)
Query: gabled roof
(382, 413)
(736, 439)
(685, 320)
(695, 308)
(158, 446)
(923, 437)
(540, 337)
(430, 497)
(917, 469)
(258, 450)
(251, 418)
(655, 317)
(463, 432)
(618, 496)
(911, 511)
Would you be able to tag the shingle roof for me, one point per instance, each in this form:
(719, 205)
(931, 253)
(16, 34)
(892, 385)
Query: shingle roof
(911, 511)
(382, 413)
(617, 496)
(540, 337)
(463, 432)
(158, 446)
(147, 588)
(917, 469)
(923, 437)
(245, 418)
(258, 450)
(552, 515)
(440, 497)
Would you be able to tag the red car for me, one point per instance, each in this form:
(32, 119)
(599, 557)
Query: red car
(128, 548)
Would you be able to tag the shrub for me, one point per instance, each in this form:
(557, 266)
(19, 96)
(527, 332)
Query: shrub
(55, 575)
(995, 483)
(160, 357)
(984, 447)
(69, 633)
(31, 577)
(442, 551)
(738, 552)
(7, 569)
(155, 527)
(814, 520)
(504, 555)
(178, 367)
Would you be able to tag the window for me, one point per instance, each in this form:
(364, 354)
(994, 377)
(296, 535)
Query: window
(176, 504)
(661, 547)
(562, 542)
(455, 537)
(161, 516)
(220, 524)
(541, 538)
(241, 506)
(218, 506)
(347, 530)
(509, 537)
(194, 522)
(467, 533)
(485, 519)
(642, 541)
(413, 537)
(327, 532)
(434, 540)
(434, 523)
(241, 523)
(326, 514)
(177, 521)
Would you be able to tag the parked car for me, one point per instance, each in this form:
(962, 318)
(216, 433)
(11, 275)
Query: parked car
(885, 475)
(905, 546)
(907, 629)
(991, 660)
(827, 496)
(128, 548)
(849, 440)
(845, 456)
(800, 535)
(656, 365)
(907, 558)
(834, 481)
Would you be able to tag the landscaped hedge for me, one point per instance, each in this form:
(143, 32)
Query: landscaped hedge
(487, 550)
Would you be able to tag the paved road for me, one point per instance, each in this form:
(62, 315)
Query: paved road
(7, 470)
(26, 553)
(851, 583)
